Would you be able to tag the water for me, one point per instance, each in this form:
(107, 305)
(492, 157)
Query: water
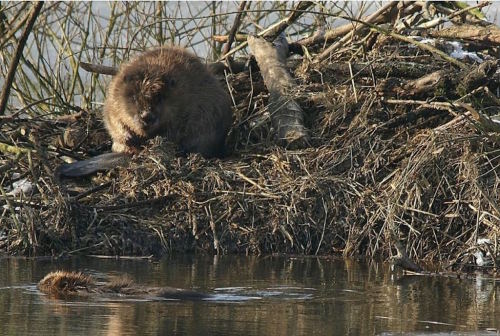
(250, 296)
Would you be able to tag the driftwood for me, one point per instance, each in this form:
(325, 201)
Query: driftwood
(286, 115)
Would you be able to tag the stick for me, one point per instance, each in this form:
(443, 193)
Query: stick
(97, 68)
(234, 28)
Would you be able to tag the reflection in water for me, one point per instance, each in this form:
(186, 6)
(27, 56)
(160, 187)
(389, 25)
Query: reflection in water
(250, 296)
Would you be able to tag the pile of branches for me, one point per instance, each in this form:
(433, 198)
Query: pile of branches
(392, 149)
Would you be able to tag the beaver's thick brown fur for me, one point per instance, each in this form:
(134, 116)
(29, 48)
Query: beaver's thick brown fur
(167, 91)
(61, 284)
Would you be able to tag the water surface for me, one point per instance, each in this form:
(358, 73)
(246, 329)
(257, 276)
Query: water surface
(251, 296)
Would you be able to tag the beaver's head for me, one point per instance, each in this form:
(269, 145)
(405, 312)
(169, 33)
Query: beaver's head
(146, 91)
(64, 283)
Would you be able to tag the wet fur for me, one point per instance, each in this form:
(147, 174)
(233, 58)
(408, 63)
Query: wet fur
(169, 92)
(63, 284)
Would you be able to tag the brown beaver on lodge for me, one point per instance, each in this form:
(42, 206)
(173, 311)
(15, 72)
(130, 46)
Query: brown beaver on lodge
(165, 91)
(63, 284)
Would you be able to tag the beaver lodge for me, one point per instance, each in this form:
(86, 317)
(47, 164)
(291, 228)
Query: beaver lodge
(379, 138)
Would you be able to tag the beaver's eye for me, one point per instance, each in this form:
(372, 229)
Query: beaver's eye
(168, 80)
(156, 99)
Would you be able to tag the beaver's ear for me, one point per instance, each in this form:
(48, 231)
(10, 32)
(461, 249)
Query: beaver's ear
(129, 78)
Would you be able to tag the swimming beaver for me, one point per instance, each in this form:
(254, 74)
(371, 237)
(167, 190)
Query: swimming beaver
(61, 284)
(167, 91)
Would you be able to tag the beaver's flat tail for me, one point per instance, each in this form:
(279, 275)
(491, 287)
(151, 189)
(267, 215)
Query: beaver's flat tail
(97, 163)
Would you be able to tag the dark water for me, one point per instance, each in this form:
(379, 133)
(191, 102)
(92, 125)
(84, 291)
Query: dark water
(251, 296)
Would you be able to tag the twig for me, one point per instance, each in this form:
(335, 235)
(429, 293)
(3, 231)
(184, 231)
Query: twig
(90, 191)
(37, 7)
(234, 28)
(96, 68)
(471, 33)
(325, 207)
(12, 31)
(434, 105)
(208, 211)
(11, 117)
(239, 37)
(258, 186)
(118, 257)
(148, 202)
(490, 200)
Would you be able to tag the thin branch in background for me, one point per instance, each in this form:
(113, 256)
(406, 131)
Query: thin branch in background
(372, 18)
(214, 29)
(234, 28)
(4, 97)
(7, 35)
(277, 28)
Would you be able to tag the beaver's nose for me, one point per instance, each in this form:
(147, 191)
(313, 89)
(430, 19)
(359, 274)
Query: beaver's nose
(148, 117)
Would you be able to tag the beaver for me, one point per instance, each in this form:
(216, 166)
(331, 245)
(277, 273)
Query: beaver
(167, 91)
(64, 284)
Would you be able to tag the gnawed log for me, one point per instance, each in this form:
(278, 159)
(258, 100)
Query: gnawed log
(286, 115)
(489, 35)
